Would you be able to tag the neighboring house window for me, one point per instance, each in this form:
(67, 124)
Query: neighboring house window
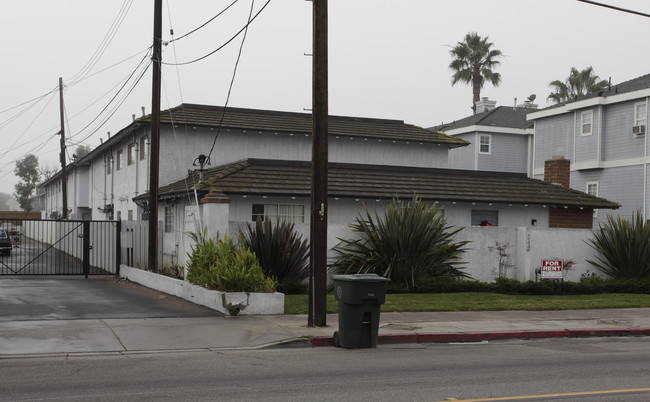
(587, 120)
(280, 212)
(640, 118)
(120, 159)
(130, 214)
(485, 218)
(131, 156)
(143, 148)
(484, 144)
(592, 189)
(169, 219)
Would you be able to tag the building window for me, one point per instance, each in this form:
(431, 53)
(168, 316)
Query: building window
(120, 159)
(130, 214)
(169, 219)
(279, 212)
(143, 148)
(586, 122)
(640, 118)
(130, 160)
(485, 218)
(484, 144)
(592, 189)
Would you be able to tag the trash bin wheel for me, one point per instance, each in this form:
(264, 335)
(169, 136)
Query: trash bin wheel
(336, 339)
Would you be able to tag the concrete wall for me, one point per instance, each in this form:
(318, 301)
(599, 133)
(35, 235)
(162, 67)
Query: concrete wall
(526, 248)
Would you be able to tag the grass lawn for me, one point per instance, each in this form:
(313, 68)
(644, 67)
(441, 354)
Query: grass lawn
(297, 304)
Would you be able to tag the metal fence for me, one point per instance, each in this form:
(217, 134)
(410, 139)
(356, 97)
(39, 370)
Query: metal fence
(52, 247)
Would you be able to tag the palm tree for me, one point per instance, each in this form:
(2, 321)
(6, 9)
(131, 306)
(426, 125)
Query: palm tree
(473, 62)
(577, 84)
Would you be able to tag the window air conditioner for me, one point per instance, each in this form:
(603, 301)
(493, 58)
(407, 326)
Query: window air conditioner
(638, 130)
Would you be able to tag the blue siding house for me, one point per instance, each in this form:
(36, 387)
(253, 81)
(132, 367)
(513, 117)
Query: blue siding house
(604, 135)
(501, 138)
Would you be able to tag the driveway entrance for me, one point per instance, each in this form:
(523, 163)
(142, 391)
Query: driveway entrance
(31, 298)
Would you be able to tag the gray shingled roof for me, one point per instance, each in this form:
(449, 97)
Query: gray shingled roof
(293, 178)
(635, 84)
(268, 120)
(502, 116)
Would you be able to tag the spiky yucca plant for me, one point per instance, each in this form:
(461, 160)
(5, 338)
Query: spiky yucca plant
(624, 246)
(281, 252)
(409, 242)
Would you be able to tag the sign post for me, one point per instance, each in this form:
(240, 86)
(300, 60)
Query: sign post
(553, 269)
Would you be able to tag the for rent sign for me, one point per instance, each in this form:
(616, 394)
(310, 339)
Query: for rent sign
(552, 269)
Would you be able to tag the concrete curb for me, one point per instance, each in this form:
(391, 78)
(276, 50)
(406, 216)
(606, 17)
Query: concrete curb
(386, 339)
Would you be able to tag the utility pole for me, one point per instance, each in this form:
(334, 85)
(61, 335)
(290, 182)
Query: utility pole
(64, 175)
(319, 157)
(155, 137)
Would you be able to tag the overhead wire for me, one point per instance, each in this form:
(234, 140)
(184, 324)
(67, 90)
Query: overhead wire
(234, 73)
(202, 25)
(245, 28)
(103, 45)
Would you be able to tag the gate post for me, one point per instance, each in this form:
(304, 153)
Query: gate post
(118, 247)
(86, 248)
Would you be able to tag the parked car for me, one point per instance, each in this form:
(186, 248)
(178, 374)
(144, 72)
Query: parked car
(5, 242)
(10, 228)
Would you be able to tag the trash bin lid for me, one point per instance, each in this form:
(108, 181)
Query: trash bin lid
(360, 278)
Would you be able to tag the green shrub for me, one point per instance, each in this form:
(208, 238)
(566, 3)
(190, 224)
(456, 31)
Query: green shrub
(224, 266)
(624, 246)
(409, 243)
(282, 253)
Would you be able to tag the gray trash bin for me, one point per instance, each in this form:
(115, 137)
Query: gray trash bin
(360, 297)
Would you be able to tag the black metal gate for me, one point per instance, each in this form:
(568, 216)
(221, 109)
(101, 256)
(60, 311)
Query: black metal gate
(49, 247)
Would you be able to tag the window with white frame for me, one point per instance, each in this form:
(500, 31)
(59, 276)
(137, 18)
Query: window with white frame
(130, 159)
(120, 160)
(484, 142)
(640, 118)
(279, 212)
(592, 189)
(586, 122)
(169, 219)
(143, 147)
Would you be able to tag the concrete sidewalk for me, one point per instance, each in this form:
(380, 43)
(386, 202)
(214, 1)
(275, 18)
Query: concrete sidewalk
(149, 335)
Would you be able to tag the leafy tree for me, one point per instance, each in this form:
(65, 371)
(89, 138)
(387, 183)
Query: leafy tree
(81, 151)
(27, 170)
(473, 63)
(409, 243)
(624, 246)
(7, 202)
(578, 83)
(282, 253)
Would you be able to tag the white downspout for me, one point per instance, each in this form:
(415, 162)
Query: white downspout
(645, 163)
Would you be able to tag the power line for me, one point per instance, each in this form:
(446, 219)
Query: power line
(103, 45)
(204, 24)
(234, 73)
(625, 10)
(225, 44)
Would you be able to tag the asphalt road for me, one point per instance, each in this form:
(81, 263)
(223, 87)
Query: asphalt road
(596, 369)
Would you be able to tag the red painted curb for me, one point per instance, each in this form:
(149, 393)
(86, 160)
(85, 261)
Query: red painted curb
(447, 337)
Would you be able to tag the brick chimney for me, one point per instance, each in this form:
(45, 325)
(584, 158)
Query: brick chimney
(557, 171)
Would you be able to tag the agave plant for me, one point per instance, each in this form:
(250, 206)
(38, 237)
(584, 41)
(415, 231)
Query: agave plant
(408, 243)
(281, 252)
(624, 246)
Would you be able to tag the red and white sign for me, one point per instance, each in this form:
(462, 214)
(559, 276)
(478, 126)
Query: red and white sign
(552, 269)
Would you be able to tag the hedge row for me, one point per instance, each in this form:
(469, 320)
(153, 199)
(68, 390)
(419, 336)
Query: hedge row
(542, 287)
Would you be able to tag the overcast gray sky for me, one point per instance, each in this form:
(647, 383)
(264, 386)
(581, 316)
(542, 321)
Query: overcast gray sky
(388, 59)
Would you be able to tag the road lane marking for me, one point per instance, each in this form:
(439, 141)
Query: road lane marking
(568, 394)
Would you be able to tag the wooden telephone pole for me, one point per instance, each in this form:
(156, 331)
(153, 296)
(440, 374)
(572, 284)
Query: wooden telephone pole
(155, 137)
(319, 156)
(64, 175)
